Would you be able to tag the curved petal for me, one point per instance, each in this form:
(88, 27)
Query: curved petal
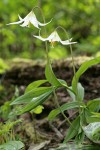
(18, 22)
(67, 42)
(44, 24)
(20, 18)
(40, 38)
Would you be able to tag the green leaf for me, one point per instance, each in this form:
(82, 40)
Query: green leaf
(12, 145)
(91, 117)
(80, 136)
(34, 85)
(72, 95)
(50, 76)
(27, 97)
(80, 91)
(92, 131)
(36, 101)
(81, 70)
(64, 107)
(73, 130)
(94, 105)
(95, 114)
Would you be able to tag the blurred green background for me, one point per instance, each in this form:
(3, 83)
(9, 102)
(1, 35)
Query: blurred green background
(81, 19)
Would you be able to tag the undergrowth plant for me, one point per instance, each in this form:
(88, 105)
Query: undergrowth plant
(36, 93)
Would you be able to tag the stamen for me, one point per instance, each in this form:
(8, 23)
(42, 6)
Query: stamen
(52, 43)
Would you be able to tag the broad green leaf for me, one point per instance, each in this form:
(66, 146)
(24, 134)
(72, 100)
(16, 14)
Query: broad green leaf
(36, 101)
(12, 145)
(64, 107)
(72, 95)
(92, 131)
(95, 114)
(80, 136)
(80, 92)
(50, 76)
(34, 85)
(73, 130)
(94, 105)
(81, 70)
(27, 97)
(91, 117)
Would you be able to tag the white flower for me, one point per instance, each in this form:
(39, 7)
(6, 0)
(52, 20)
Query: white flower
(55, 37)
(29, 19)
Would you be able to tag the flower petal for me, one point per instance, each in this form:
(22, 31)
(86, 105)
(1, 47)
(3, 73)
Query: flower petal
(54, 37)
(67, 42)
(18, 22)
(44, 24)
(20, 18)
(31, 18)
(25, 24)
(34, 22)
(40, 38)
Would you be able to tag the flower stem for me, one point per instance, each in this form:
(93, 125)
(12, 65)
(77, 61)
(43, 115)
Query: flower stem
(57, 103)
(46, 44)
(73, 64)
(74, 70)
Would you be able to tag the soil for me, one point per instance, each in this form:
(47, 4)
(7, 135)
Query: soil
(37, 132)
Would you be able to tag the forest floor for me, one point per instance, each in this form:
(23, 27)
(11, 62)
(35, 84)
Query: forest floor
(36, 131)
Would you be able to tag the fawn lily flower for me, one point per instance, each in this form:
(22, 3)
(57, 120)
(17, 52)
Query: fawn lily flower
(29, 19)
(55, 37)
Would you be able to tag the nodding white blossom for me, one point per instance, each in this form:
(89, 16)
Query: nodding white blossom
(55, 37)
(29, 19)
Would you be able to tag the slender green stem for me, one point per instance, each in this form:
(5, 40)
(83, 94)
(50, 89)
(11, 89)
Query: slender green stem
(46, 44)
(74, 70)
(73, 64)
(57, 103)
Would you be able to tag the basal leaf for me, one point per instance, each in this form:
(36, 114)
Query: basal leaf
(81, 70)
(50, 76)
(91, 117)
(34, 85)
(27, 97)
(36, 101)
(73, 130)
(80, 92)
(94, 105)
